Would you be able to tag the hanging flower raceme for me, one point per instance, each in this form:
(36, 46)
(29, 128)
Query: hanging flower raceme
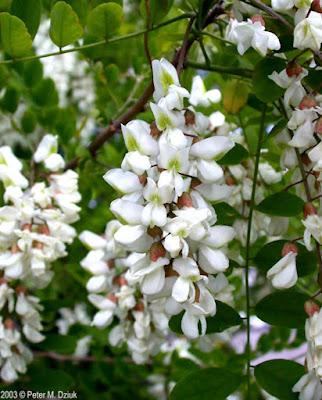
(34, 231)
(167, 181)
(309, 386)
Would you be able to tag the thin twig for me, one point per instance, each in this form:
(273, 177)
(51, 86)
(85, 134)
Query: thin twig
(248, 244)
(244, 72)
(146, 34)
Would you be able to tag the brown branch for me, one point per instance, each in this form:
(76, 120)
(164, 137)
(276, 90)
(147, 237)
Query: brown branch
(72, 358)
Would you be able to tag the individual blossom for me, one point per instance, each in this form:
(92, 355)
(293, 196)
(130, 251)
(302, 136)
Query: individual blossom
(283, 274)
(201, 96)
(308, 32)
(248, 34)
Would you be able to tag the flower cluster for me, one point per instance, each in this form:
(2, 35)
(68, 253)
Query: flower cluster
(310, 386)
(34, 231)
(164, 255)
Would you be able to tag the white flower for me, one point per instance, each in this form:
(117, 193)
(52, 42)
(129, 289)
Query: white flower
(124, 181)
(137, 138)
(308, 33)
(199, 94)
(313, 227)
(268, 174)
(104, 317)
(282, 5)
(47, 153)
(309, 387)
(251, 34)
(164, 75)
(283, 274)
(189, 273)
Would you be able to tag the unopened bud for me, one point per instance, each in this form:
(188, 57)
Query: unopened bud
(311, 308)
(309, 209)
(15, 248)
(289, 248)
(316, 6)
(195, 182)
(26, 227)
(139, 307)
(154, 232)
(190, 117)
(154, 131)
(3, 281)
(307, 102)
(143, 179)
(318, 126)
(230, 181)
(21, 289)
(110, 263)
(258, 18)
(9, 324)
(156, 251)
(121, 281)
(185, 200)
(112, 297)
(293, 69)
(44, 230)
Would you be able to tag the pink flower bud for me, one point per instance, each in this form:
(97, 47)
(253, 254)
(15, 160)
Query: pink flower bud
(293, 69)
(258, 18)
(311, 308)
(289, 248)
(309, 209)
(157, 251)
(307, 102)
(185, 200)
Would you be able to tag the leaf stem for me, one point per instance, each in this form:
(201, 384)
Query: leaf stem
(246, 73)
(99, 43)
(248, 258)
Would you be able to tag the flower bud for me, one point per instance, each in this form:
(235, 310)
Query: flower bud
(316, 6)
(9, 324)
(293, 69)
(230, 181)
(318, 126)
(26, 227)
(190, 117)
(110, 263)
(309, 209)
(15, 248)
(21, 289)
(289, 248)
(156, 251)
(154, 232)
(3, 281)
(185, 200)
(143, 179)
(258, 18)
(311, 308)
(112, 297)
(44, 230)
(307, 102)
(139, 307)
(154, 132)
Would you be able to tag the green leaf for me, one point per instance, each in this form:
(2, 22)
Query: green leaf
(65, 27)
(64, 344)
(226, 214)
(235, 95)
(278, 377)
(234, 156)
(10, 100)
(45, 93)
(33, 72)
(285, 308)
(16, 41)
(314, 80)
(281, 204)
(44, 379)
(264, 88)
(277, 128)
(105, 20)
(29, 12)
(269, 255)
(28, 121)
(158, 9)
(225, 318)
(209, 383)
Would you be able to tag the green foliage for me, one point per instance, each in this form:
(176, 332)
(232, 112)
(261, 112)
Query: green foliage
(285, 308)
(278, 377)
(264, 88)
(15, 39)
(205, 384)
(234, 156)
(29, 12)
(65, 27)
(282, 204)
(104, 21)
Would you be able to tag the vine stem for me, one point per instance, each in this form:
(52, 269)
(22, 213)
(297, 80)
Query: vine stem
(244, 72)
(249, 231)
